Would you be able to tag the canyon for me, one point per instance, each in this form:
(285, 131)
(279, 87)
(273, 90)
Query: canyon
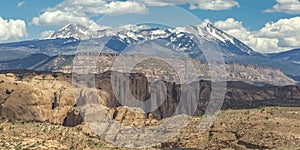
(50, 97)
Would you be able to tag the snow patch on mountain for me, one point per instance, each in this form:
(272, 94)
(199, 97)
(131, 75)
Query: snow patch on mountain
(181, 37)
(75, 31)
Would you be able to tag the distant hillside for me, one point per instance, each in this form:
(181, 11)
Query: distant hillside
(291, 56)
(153, 69)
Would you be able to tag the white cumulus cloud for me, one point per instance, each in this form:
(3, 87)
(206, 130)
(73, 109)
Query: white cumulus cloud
(11, 30)
(79, 11)
(286, 6)
(196, 4)
(215, 4)
(273, 37)
(61, 18)
(100, 7)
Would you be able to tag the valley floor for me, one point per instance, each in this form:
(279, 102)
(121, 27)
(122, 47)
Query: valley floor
(263, 128)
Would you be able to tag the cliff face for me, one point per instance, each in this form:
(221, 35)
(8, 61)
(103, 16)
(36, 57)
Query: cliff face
(35, 97)
(50, 97)
(238, 95)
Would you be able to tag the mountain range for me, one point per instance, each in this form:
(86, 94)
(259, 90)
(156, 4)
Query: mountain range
(64, 42)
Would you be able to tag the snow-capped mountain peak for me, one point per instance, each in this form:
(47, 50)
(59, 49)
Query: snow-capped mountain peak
(76, 31)
(226, 41)
(180, 37)
(217, 33)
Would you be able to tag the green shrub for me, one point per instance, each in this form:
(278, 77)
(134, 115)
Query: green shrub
(8, 92)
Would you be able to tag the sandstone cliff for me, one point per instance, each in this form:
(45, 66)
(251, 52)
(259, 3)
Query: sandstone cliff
(50, 96)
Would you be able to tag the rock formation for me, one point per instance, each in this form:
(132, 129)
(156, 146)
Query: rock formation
(49, 97)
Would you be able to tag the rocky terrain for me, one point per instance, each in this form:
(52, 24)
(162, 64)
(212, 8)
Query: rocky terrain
(263, 128)
(50, 96)
(36, 108)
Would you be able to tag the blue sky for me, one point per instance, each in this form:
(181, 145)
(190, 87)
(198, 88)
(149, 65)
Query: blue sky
(246, 17)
